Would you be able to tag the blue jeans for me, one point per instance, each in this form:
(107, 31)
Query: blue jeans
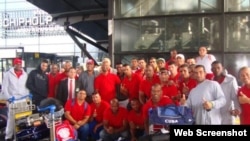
(113, 137)
(95, 135)
(83, 132)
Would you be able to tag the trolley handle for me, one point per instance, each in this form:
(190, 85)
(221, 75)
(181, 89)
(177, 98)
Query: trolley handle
(51, 108)
(12, 99)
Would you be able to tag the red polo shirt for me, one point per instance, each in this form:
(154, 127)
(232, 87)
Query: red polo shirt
(175, 78)
(99, 110)
(115, 120)
(190, 83)
(136, 118)
(149, 104)
(132, 85)
(77, 111)
(106, 85)
(146, 85)
(169, 90)
(52, 84)
(245, 108)
(140, 73)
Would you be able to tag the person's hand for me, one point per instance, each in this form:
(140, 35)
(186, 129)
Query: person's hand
(207, 105)
(95, 128)
(110, 130)
(243, 99)
(183, 99)
(235, 112)
(76, 126)
(185, 89)
(95, 113)
(123, 89)
(171, 82)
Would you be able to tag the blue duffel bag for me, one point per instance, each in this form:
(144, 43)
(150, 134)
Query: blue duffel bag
(171, 115)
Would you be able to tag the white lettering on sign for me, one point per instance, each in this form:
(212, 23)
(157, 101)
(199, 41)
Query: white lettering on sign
(31, 21)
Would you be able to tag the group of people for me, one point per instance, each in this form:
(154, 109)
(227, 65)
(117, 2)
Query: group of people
(113, 103)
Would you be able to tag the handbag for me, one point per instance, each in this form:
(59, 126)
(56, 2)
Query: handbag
(171, 115)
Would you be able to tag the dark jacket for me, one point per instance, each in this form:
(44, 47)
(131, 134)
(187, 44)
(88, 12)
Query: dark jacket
(62, 91)
(37, 83)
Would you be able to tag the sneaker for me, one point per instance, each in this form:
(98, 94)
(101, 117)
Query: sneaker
(120, 139)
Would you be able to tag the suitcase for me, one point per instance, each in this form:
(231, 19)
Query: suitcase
(33, 133)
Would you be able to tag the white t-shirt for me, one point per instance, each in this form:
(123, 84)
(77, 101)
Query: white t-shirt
(206, 61)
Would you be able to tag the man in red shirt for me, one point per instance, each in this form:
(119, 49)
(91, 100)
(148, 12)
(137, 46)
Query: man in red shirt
(52, 76)
(106, 82)
(115, 122)
(98, 106)
(130, 84)
(135, 119)
(186, 83)
(244, 95)
(157, 99)
(77, 112)
(67, 65)
(168, 90)
(147, 83)
(174, 74)
(142, 67)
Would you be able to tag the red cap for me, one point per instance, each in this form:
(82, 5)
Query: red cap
(90, 61)
(17, 61)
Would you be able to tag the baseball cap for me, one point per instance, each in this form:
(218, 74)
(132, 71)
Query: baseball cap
(161, 59)
(181, 56)
(17, 61)
(90, 61)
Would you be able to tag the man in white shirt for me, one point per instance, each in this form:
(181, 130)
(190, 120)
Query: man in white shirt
(206, 99)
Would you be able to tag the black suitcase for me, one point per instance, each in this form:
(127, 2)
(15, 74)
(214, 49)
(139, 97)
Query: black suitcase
(33, 133)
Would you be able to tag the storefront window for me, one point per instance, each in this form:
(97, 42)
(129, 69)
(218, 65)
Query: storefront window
(237, 33)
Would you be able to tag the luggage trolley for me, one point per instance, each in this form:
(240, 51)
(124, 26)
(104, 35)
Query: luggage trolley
(20, 108)
(50, 120)
(52, 111)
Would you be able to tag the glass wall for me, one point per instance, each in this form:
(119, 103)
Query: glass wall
(140, 8)
(151, 28)
(163, 34)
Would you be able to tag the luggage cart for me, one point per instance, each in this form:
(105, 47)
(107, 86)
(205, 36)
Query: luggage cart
(20, 108)
(50, 120)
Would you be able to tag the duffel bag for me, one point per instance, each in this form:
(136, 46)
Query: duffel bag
(171, 115)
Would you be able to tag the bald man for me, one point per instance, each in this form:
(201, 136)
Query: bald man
(244, 95)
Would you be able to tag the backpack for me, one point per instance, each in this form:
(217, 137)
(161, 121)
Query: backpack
(65, 132)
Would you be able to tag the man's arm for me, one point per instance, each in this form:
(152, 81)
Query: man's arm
(30, 81)
(83, 121)
(106, 125)
(220, 99)
(132, 130)
(70, 118)
(5, 85)
(123, 128)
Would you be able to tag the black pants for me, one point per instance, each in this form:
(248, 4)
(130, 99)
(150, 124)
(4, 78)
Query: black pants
(155, 137)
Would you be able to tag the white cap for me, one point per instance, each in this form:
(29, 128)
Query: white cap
(181, 56)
